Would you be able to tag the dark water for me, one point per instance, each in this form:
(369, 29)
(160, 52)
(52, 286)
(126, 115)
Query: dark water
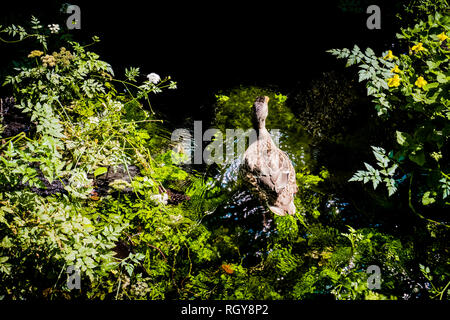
(206, 47)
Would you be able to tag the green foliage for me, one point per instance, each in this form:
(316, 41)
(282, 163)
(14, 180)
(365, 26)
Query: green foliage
(416, 10)
(412, 89)
(385, 174)
(437, 292)
(19, 31)
(410, 93)
(83, 130)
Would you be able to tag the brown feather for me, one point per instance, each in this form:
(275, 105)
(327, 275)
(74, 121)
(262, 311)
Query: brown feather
(268, 170)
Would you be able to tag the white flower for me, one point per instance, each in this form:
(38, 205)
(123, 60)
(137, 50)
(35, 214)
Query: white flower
(161, 198)
(176, 218)
(54, 28)
(93, 120)
(115, 105)
(147, 182)
(153, 78)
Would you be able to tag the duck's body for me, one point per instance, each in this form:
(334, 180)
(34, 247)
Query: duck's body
(266, 168)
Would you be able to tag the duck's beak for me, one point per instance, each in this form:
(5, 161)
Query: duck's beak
(266, 99)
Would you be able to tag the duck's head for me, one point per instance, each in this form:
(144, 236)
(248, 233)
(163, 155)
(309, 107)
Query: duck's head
(260, 110)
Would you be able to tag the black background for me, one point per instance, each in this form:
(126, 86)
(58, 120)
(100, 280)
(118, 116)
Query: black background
(295, 310)
(208, 46)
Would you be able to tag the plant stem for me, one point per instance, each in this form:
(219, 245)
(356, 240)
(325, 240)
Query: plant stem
(414, 210)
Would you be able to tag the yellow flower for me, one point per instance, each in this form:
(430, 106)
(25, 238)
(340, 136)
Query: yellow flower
(35, 53)
(395, 69)
(420, 82)
(390, 56)
(442, 37)
(418, 47)
(394, 82)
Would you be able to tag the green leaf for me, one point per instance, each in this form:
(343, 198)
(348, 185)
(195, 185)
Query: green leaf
(99, 171)
(369, 167)
(441, 78)
(427, 199)
(129, 268)
(418, 157)
(431, 85)
(402, 138)
(369, 52)
(3, 259)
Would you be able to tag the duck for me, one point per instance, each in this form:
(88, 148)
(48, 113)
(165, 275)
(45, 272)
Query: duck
(265, 168)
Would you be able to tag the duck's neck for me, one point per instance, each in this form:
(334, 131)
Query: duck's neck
(262, 132)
